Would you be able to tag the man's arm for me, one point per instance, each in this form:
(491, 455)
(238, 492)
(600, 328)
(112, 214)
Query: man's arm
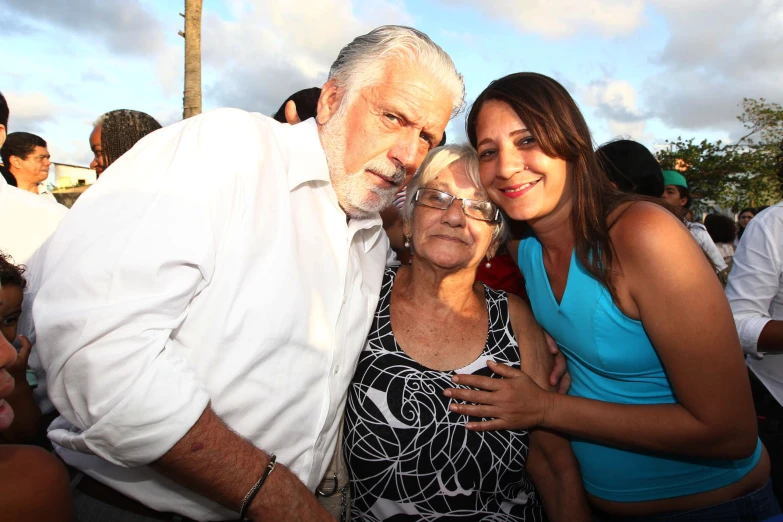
(753, 284)
(217, 463)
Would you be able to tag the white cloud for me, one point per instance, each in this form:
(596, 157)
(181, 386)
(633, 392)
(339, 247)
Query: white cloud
(718, 52)
(564, 18)
(125, 27)
(615, 101)
(29, 110)
(273, 49)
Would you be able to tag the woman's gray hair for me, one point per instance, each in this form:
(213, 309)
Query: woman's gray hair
(438, 160)
(361, 62)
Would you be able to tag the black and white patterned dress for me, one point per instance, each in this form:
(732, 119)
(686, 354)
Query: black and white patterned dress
(409, 457)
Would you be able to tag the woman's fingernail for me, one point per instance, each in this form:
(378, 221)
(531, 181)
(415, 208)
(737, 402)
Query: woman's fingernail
(447, 393)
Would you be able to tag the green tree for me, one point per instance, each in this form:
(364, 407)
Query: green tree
(735, 175)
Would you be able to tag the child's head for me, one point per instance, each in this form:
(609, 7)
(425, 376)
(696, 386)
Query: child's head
(12, 286)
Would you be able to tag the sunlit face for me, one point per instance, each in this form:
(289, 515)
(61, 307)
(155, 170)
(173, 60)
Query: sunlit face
(526, 183)
(745, 218)
(10, 309)
(375, 143)
(32, 169)
(97, 151)
(448, 238)
(671, 194)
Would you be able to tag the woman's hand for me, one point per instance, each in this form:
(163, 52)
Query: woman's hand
(560, 378)
(513, 403)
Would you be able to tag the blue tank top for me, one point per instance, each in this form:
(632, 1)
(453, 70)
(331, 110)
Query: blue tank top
(611, 359)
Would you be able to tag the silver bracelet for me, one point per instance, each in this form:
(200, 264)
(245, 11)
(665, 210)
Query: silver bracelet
(254, 490)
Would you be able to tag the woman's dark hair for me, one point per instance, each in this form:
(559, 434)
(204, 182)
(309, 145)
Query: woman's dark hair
(11, 274)
(557, 125)
(120, 130)
(720, 228)
(306, 102)
(21, 145)
(4, 112)
(632, 167)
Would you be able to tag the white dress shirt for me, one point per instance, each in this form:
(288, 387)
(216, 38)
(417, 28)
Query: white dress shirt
(755, 292)
(26, 220)
(211, 264)
(702, 237)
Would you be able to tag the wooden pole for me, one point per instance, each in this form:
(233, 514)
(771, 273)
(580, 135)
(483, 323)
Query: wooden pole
(191, 100)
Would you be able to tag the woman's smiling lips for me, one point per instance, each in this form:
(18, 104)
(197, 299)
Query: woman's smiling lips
(519, 190)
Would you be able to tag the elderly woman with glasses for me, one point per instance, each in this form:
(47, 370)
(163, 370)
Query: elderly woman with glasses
(409, 457)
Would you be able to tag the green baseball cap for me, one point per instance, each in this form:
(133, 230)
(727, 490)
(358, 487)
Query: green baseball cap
(672, 177)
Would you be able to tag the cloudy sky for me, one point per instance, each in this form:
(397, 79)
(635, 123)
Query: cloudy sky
(647, 69)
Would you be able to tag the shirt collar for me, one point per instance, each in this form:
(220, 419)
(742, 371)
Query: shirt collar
(308, 164)
(308, 161)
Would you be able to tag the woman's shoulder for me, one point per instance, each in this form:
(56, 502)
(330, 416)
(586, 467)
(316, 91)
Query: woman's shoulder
(641, 225)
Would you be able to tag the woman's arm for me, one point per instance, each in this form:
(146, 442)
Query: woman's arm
(553, 468)
(688, 320)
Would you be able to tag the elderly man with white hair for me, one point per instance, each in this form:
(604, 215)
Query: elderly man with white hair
(203, 306)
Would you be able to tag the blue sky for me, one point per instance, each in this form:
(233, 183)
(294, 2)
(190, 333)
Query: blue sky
(647, 69)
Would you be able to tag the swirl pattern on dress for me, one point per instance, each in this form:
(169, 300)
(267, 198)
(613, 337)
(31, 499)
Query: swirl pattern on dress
(409, 457)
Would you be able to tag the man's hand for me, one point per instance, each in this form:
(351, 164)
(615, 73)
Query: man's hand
(560, 378)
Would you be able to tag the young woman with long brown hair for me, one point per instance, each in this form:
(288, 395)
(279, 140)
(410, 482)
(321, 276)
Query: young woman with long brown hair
(660, 411)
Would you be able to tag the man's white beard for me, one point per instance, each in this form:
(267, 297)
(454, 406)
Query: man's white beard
(356, 194)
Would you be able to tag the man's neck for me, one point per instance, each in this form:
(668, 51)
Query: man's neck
(29, 186)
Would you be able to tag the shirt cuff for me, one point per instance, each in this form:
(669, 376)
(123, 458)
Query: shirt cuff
(157, 411)
(749, 332)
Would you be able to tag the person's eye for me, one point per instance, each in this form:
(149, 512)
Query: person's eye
(10, 321)
(391, 117)
(428, 140)
(526, 141)
(486, 153)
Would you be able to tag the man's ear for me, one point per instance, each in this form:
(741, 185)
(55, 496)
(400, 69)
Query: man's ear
(329, 102)
(291, 116)
(2, 135)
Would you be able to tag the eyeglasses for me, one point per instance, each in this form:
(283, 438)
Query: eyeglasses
(474, 208)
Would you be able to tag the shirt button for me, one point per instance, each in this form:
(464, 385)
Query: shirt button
(336, 370)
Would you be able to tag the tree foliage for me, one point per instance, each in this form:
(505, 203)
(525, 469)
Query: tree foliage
(747, 173)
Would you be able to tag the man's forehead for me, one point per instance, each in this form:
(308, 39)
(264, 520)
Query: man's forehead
(415, 91)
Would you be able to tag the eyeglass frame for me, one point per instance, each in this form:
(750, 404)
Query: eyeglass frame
(495, 220)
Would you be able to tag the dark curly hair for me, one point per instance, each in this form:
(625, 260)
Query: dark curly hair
(11, 274)
(720, 228)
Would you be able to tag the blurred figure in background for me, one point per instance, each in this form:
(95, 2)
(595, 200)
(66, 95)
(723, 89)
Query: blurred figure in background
(26, 162)
(115, 133)
(755, 293)
(676, 193)
(723, 232)
(745, 215)
(30, 219)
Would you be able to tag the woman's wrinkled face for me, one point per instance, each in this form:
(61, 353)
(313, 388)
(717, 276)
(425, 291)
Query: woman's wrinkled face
(448, 238)
(526, 183)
